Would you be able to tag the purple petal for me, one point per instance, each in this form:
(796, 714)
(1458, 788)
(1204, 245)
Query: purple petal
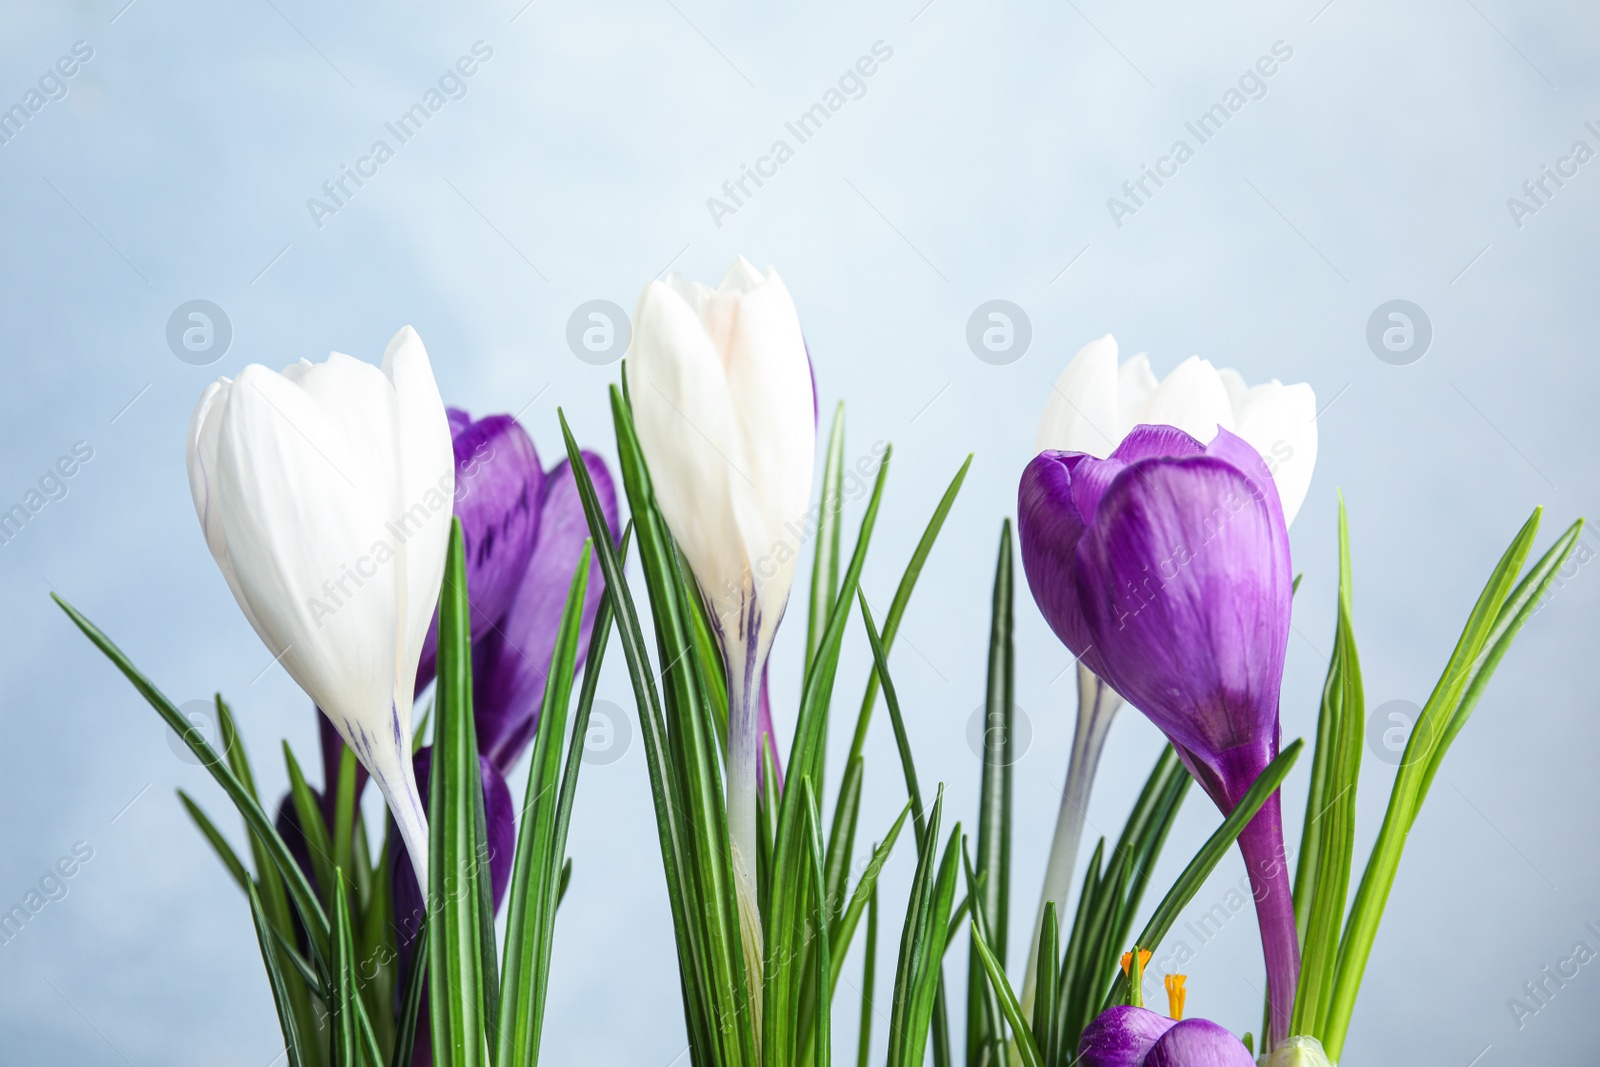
(511, 661)
(1185, 580)
(1093, 477)
(1199, 1043)
(1049, 527)
(499, 484)
(1121, 1037)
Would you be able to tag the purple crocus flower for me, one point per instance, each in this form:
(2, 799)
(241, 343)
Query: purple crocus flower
(523, 529)
(1165, 569)
(1126, 1036)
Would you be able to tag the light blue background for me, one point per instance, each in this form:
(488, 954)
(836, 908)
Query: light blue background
(976, 166)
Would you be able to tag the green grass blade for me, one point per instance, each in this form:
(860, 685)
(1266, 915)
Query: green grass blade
(842, 838)
(869, 975)
(312, 828)
(293, 1041)
(530, 918)
(825, 565)
(346, 999)
(866, 892)
(1048, 986)
(902, 597)
(1188, 882)
(460, 1005)
(1009, 1005)
(411, 1003)
(259, 823)
(922, 943)
(219, 844)
(821, 1035)
(344, 818)
(993, 869)
(914, 792)
(1330, 828)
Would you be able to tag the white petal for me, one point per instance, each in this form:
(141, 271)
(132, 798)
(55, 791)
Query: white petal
(1193, 399)
(426, 495)
(769, 385)
(1135, 383)
(683, 416)
(1280, 422)
(742, 277)
(1080, 414)
(297, 523)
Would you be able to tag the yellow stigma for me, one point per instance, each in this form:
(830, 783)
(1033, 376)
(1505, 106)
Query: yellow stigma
(1175, 995)
(1127, 958)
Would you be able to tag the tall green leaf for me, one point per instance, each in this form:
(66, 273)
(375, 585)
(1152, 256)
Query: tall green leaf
(993, 869)
(536, 875)
(463, 994)
(1327, 843)
(1497, 616)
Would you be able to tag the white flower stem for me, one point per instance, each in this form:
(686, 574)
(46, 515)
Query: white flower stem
(1097, 706)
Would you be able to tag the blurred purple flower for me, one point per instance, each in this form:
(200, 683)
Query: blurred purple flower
(524, 529)
(1126, 1036)
(1165, 568)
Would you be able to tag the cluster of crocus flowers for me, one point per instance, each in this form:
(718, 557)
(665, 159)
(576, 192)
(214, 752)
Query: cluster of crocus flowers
(325, 496)
(725, 410)
(1092, 409)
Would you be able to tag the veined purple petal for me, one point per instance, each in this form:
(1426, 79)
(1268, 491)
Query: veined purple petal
(512, 660)
(1199, 1043)
(1049, 527)
(1185, 578)
(499, 485)
(1121, 1037)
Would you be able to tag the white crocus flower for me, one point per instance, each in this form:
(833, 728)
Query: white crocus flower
(325, 495)
(726, 416)
(1091, 408)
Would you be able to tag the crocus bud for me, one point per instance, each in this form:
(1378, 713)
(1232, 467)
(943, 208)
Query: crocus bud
(324, 493)
(1165, 568)
(725, 412)
(1093, 406)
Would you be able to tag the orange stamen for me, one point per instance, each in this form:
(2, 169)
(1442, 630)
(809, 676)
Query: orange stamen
(1127, 959)
(1175, 995)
